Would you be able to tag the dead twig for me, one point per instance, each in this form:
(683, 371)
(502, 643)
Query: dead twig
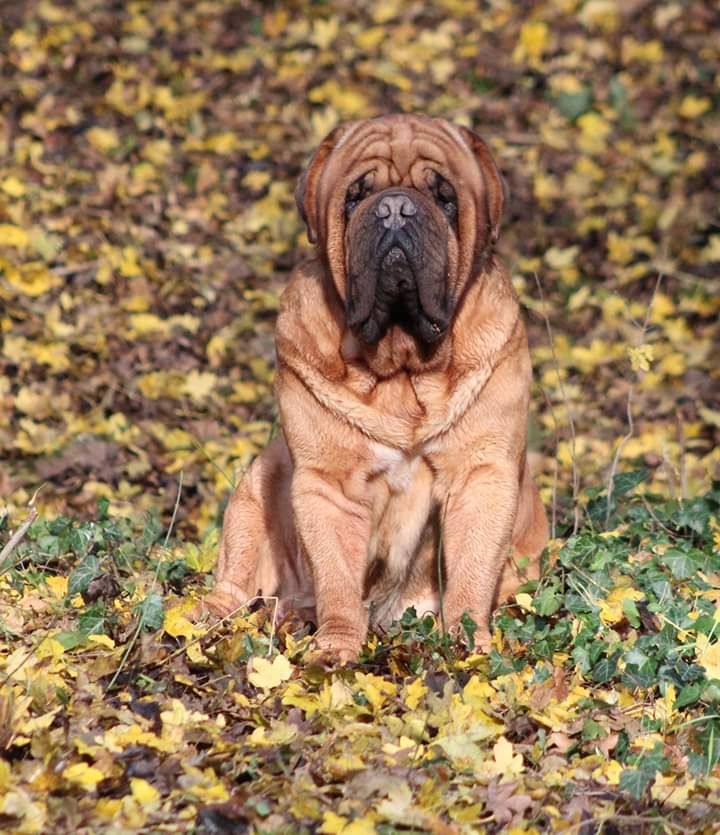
(74, 269)
(682, 461)
(17, 537)
(141, 619)
(223, 620)
(571, 419)
(15, 540)
(631, 424)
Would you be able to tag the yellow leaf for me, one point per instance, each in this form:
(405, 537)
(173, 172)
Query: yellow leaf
(269, 674)
(672, 364)
(177, 625)
(158, 152)
(692, 106)
(332, 824)
(507, 763)
(594, 130)
(385, 10)
(324, 31)
(588, 357)
(103, 640)
(708, 656)
(13, 236)
(558, 259)
(223, 143)
(360, 826)
(279, 733)
(128, 264)
(38, 723)
(33, 279)
(158, 384)
(84, 775)
(108, 807)
(611, 609)
(525, 601)
(274, 23)
(122, 736)
(600, 14)
(477, 692)
(12, 186)
(295, 696)
(641, 357)
(620, 250)
(199, 384)
(414, 693)
(57, 585)
(712, 251)
(665, 707)
(50, 648)
(143, 792)
(142, 324)
(650, 52)
(256, 180)
(608, 772)
(667, 792)
(375, 688)
(203, 557)
(349, 102)
(103, 139)
(533, 42)
(368, 39)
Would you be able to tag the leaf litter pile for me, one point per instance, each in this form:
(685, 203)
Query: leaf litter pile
(148, 156)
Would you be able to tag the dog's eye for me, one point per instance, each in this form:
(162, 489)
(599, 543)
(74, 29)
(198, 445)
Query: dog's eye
(358, 191)
(444, 194)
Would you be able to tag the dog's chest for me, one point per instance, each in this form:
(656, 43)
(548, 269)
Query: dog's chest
(394, 465)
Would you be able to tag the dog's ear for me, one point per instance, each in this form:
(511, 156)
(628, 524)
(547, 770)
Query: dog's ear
(306, 192)
(496, 189)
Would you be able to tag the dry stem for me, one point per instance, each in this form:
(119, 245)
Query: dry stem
(631, 424)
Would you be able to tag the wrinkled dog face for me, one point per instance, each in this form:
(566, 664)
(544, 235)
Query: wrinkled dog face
(402, 208)
(397, 256)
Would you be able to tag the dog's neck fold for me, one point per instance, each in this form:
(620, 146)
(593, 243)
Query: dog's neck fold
(419, 400)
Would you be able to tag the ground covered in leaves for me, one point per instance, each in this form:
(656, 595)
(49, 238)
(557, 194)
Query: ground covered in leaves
(148, 156)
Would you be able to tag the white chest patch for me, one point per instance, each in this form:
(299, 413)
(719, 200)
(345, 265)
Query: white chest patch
(397, 467)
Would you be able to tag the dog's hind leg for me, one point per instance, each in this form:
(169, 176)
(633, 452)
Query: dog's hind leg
(257, 550)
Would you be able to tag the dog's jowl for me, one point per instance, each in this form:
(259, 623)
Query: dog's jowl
(403, 385)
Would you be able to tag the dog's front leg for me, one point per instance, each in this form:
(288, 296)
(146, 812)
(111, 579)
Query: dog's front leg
(477, 525)
(333, 528)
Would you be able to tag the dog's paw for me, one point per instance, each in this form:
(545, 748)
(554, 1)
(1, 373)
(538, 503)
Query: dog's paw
(334, 650)
(221, 602)
(331, 657)
(483, 641)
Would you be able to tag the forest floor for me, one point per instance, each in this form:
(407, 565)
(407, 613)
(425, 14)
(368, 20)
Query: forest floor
(148, 158)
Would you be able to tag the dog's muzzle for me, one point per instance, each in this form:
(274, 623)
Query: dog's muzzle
(397, 268)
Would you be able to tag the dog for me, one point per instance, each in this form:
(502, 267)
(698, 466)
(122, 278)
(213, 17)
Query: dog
(403, 380)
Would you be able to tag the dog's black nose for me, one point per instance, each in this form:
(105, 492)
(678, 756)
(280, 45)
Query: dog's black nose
(394, 209)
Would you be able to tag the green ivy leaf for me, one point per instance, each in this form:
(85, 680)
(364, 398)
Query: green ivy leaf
(573, 105)
(680, 563)
(83, 575)
(689, 694)
(151, 611)
(635, 781)
(605, 669)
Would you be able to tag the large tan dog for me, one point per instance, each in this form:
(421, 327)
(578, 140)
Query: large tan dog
(403, 384)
